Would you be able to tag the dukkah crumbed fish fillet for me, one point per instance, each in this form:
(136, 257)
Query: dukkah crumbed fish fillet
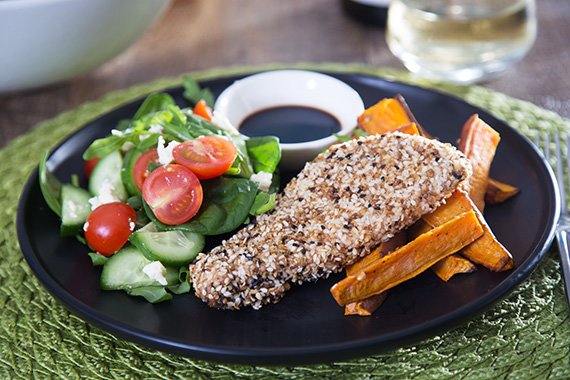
(340, 206)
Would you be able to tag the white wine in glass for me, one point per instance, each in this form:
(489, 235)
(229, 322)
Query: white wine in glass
(464, 41)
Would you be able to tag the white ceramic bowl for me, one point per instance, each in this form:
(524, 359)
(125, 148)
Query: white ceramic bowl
(293, 88)
(47, 41)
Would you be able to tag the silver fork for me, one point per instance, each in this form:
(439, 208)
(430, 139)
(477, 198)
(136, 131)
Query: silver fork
(563, 228)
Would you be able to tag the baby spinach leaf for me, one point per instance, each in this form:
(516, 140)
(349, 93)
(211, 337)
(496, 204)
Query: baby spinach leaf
(265, 153)
(275, 182)
(235, 196)
(263, 203)
(226, 205)
(242, 164)
(209, 218)
(153, 294)
(182, 288)
(50, 186)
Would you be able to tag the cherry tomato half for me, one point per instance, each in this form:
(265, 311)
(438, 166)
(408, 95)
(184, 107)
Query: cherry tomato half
(206, 156)
(202, 109)
(109, 226)
(173, 193)
(140, 170)
(89, 165)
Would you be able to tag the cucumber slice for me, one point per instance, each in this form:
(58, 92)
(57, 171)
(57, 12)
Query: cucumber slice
(75, 209)
(107, 173)
(127, 171)
(124, 270)
(174, 248)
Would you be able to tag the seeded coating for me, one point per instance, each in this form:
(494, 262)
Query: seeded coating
(338, 208)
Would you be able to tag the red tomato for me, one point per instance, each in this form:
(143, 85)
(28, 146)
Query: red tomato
(173, 193)
(202, 109)
(140, 170)
(206, 156)
(88, 166)
(109, 226)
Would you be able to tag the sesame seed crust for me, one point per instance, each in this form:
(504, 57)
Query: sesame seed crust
(339, 207)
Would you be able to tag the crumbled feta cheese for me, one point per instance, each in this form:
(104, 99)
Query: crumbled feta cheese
(155, 128)
(165, 153)
(85, 226)
(223, 123)
(132, 225)
(143, 137)
(263, 180)
(116, 132)
(128, 145)
(156, 271)
(106, 195)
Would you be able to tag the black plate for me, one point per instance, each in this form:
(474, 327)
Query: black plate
(307, 325)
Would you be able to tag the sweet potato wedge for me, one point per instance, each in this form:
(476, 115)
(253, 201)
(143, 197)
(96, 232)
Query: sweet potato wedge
(388, 115)
(498, 192)
(409, 260)
(367, 306)
(410, 129)
(449, 266)
(479, 142)
(452, 265)
(385, 116)
(486, 250)
(382, 250)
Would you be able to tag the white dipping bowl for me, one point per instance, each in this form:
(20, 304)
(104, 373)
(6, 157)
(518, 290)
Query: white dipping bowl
(47, 41)
(293, 88)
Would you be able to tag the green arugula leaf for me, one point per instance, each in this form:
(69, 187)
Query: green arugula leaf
(184, 285)
(106, 145)
(97, 259)
(361, 133)
(150, 142)
(123, 124)
(154, 103)
(194, 93)
(75, 180)
(81, 239)
(342, 138)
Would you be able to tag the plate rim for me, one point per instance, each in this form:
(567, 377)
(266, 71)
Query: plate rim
(313, 353)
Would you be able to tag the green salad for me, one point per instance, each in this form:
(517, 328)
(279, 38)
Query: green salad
(158, 186)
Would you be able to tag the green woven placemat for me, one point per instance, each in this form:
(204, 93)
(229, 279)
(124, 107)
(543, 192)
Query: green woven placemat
(525, 336)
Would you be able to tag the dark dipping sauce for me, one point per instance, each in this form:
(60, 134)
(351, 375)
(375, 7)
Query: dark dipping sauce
(292, 124)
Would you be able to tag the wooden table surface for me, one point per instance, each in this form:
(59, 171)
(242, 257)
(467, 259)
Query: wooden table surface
(202, 34)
